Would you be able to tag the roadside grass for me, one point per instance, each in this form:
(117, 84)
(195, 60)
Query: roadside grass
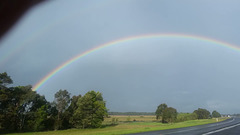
(124, 126)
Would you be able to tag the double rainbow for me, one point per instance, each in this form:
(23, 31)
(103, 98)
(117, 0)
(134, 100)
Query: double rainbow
(127, 39)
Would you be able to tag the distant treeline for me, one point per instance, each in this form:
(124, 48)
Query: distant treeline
(131, 113)
(169, 114)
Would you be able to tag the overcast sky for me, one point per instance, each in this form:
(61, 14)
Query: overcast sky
(133, 76)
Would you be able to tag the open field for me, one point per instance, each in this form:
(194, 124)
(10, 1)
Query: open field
(125, 125)
(127, 118)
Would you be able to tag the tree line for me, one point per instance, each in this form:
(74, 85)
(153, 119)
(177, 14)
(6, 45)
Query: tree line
(22, 109)
(169, 114)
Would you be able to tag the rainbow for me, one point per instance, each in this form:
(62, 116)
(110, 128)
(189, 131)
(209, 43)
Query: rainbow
(127, 39)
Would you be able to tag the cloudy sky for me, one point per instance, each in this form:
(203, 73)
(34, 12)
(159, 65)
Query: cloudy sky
(137, 75)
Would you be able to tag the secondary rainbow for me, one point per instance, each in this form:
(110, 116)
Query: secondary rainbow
(127, 39)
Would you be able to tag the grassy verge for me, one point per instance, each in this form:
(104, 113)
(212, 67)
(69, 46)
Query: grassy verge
(125, 127)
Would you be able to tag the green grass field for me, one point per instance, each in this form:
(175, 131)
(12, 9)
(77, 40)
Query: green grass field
(125, 125)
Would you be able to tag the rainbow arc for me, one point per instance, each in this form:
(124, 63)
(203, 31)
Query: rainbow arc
(39, 84)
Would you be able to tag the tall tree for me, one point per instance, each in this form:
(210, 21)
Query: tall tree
(202, 113)
(160, 109)
(18, 106)
(8, 109)
(216, 114)
(62, 100)
(169, 115)
(70, 111)
(39, 123)
(91, 110)
(5, 80)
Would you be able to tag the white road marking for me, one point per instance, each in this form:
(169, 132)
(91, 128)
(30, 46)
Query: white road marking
(222, 129)
(214, 124)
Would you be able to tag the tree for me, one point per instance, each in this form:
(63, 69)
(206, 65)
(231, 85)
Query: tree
(21, 109)
(18, 105)
(91, 110)
(8, 109)
(160, 109)
(40, 119)
(62, 100)
(70, 111)
(216, 114)
(169, 115)
(5, 80)
(5, 99)
(202, 113)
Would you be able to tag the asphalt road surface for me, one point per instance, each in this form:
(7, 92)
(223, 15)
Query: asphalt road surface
(227, 127)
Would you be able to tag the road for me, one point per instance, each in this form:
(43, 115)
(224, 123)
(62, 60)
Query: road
(227, 127)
